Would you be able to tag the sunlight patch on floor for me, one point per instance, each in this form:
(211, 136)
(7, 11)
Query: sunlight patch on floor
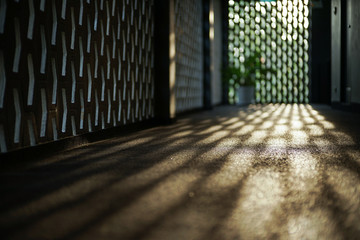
(312, 225)
(261, 195)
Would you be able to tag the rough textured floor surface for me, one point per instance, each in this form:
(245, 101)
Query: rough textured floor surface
(262, 172)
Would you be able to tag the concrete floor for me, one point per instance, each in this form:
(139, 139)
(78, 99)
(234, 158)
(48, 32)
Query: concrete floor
(263, 172)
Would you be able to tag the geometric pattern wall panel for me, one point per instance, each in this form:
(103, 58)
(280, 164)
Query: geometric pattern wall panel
(73, 67)
(189, 55)
(279, 31)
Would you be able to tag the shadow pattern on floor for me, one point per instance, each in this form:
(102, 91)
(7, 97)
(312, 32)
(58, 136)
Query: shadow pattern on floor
(272, 171)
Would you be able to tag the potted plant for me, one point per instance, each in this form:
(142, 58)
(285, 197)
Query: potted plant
(244, 79)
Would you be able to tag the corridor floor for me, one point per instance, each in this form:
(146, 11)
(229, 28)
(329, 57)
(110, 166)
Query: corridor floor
(258, 172)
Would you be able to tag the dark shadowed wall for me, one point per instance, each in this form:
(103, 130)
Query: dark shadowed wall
(321, 54)
(345, 51)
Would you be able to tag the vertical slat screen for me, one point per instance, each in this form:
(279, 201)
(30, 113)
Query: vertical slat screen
(189, 55)
(279, 30)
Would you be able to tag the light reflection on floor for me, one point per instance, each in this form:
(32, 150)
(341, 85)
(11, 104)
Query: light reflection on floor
(263, 172)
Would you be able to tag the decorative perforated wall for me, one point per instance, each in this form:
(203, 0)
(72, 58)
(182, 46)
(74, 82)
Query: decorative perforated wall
(72, 67)
(189, 55)
(279, 31)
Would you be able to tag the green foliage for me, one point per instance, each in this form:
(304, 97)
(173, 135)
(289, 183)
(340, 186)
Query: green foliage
(254, 67)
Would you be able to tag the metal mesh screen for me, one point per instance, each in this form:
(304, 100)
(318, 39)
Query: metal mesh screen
(279, 30)
(72, 67)
(189, 55)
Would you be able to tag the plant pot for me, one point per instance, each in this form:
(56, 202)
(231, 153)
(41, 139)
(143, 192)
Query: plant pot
(245, 95)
